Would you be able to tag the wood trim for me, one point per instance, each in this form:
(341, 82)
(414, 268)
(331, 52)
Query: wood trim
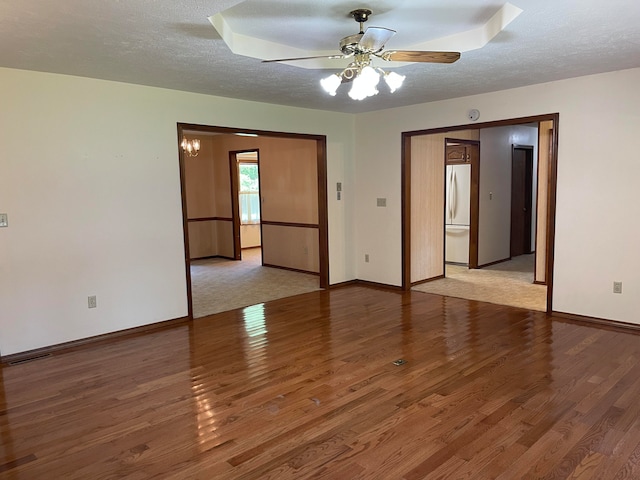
(427, 280)
(185, 223)
(259, 210)
(379, 286)
(535, 234)
(522, 147)
(210, 219)
(458, 141)
(405, 163)
(323, 215)
(480, 126)
(235, 192)
(405, 206)
(598, 322)
(551, 210)
(290, 269)
(532, 210)
(474, 228)
(247, 131)
(235, 215)
(494, 263)
(348, 283)
(74, 345)
(290, 224)
(213, 256)
(535, 207)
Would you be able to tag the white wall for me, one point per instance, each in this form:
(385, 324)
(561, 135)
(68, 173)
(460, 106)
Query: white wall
(249, 236)
(89, 178)
(494, 232)
(596, 233)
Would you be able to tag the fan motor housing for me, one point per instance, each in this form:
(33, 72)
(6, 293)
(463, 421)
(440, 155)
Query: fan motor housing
(360, 15)
(350, 45)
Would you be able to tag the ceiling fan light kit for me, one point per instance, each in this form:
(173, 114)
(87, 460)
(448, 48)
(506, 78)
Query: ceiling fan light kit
(364, 80)
(362, 47)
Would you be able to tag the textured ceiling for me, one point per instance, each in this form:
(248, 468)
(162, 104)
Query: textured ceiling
(173, 45)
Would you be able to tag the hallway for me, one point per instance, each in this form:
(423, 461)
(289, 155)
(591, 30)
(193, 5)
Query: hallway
(507, 283)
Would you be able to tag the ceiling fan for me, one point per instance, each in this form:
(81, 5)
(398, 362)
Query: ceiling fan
(361, 47)
(371, 42)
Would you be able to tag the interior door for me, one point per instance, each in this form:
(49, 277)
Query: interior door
(467, 153)
(521, 201)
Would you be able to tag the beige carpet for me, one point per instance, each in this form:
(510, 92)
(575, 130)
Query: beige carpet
(506, 283)
(219, 285)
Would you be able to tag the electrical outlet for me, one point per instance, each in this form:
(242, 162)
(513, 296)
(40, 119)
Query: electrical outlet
(339, 193)
(381, 202)
(366, 258)
(617, 287)
(92, 301)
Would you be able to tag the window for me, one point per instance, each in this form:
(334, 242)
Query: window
(249, 195)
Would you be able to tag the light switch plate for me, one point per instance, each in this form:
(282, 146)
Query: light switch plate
(381, 202)
(4, 220)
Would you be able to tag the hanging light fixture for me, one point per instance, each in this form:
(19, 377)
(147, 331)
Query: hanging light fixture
(364, 79)
(192, 147)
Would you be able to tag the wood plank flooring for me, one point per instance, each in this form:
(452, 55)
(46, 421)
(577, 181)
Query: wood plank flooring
(306, 387)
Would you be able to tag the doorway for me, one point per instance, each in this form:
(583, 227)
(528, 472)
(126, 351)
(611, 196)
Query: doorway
(421, 243)
(246, 206)
(300, 171)
(521, 199)
(462, 172)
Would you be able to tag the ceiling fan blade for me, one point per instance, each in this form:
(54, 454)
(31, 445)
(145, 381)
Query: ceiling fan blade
(419, 56)
(302, 58)
(374, 38)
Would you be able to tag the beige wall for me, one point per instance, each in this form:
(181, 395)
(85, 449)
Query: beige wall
(289, 194)
(427, 202)
(249, 236)
(208, 196)
(288, 190)
(595, 243)
(301, 252)
(288, 175)
(203, 239)
(199, 181)
(118, 194)
(103, 216)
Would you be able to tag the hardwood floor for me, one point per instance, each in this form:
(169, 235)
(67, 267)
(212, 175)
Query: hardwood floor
(306, 387)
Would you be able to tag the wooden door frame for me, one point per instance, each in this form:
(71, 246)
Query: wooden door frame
(529, 161)
(235, 204)
(405, 166)
(474, 213)
(321, 162)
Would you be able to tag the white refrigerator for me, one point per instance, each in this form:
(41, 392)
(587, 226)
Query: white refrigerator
(457, 213)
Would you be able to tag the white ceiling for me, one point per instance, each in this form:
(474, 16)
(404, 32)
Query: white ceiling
(172, 44)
